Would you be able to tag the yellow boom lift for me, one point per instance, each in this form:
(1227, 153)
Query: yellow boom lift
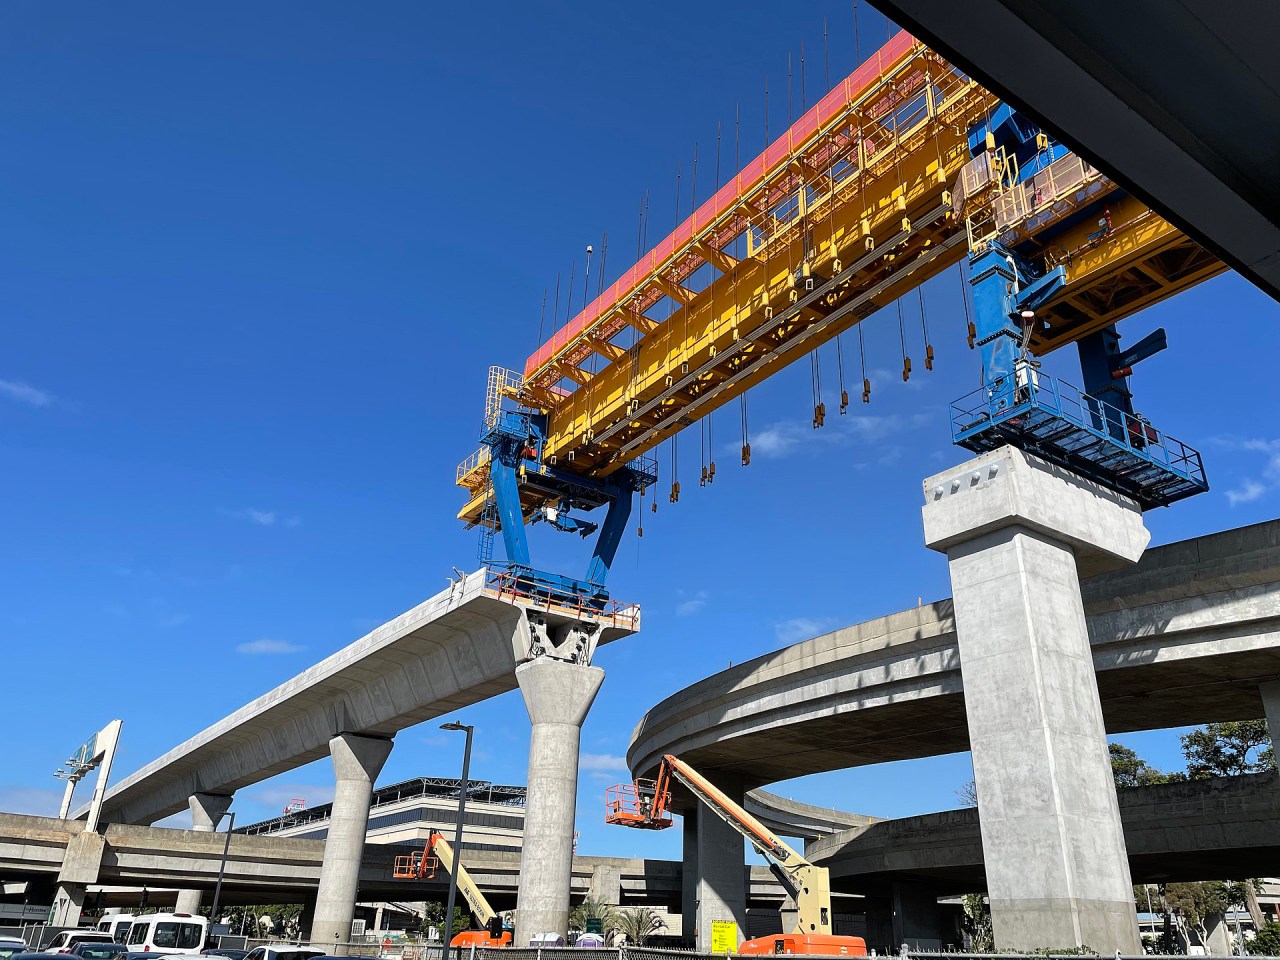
(423, 866)
(646, 804)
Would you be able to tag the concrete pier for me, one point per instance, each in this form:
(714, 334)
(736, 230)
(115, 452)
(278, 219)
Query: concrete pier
(917, 920)
(1018, 534)
(557, 695)
(1271, 707)
(357, 761)
(721, 869)
(207, 811)
(689, 874)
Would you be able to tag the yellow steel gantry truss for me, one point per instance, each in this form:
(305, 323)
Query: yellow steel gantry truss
(869, 195)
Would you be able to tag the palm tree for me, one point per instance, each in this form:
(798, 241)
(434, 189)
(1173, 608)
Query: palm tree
(638, 924)
(594, 908)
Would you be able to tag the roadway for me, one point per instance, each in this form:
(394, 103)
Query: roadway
(1173, 832)
(1183, 637)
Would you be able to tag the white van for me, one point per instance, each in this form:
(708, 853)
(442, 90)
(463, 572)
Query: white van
(117, 925)
(168, 933)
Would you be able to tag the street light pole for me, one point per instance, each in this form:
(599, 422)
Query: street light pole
(457, 835)
(222, 869)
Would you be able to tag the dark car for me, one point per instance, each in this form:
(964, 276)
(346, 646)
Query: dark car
(98, 951)
(38, 956)
(227, 952)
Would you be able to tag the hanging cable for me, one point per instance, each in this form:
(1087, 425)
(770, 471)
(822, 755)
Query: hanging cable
(902, 338)
(542, 320)
(862, 353)
(924, 328)
(675, 468)
(746, 442)
(971, 331)
(844, 394)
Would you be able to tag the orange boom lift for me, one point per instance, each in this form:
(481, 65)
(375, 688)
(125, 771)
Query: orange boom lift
(646, 804)
(423, 866)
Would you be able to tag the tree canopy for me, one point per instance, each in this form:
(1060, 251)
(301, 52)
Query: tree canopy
(1228, 749)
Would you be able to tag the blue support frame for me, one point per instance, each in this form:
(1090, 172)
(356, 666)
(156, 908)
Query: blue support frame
(515, 444)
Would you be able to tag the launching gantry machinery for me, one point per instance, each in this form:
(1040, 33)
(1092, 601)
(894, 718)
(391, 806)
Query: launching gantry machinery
(904, 169)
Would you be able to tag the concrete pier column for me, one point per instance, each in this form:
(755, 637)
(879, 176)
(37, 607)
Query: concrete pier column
(207, 811)
(1271, 708)
(1018, 534)
(68, 902)
(917, 919)
(722, 870)
(357, 761)
(557, 695)
(689, 877)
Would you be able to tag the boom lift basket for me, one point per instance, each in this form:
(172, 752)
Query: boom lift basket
(632, 805)
(416, 866)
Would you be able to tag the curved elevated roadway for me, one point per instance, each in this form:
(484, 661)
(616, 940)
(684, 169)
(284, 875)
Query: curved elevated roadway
(1185, 636)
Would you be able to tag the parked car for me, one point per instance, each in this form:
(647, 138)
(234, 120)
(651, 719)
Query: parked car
(98, 951)
(38, 956)
(12, 945)
(284, 951)
(228, 952)
(65, 941)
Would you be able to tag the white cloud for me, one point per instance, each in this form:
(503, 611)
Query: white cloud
(800, 628)
(789, 436)
(267, 646)
(1254, 488)
(693, 603)
(602, 762)
(263, 518)
(35, 801)
(25, 393)
(1250, 491)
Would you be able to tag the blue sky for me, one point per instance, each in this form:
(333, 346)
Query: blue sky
(256, 260)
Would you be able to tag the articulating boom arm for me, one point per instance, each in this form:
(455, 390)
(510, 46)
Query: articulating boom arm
(646, 804)
(439, 853)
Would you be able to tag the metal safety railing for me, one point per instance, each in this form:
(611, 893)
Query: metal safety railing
(514, 587)
(1059, 421)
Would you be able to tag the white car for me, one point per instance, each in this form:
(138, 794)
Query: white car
(65, 941)
(284, 951)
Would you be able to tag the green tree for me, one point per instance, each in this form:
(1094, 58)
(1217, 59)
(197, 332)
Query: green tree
(1266, 942)
(638, 924)
(977, 923)
(1130, 770)
(1228, 749)
(433, 916)
(1194, 903)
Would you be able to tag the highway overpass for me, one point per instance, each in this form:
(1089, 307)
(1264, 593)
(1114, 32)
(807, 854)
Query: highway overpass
(1185, 636)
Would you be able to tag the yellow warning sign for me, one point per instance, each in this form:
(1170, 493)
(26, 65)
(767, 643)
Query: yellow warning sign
(724, 936)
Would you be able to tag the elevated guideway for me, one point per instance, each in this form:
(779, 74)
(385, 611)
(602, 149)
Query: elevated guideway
(461, 646)
(1185, 636)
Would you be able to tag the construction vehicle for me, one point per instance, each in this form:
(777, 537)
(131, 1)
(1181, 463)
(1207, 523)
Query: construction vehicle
(646, 805)
(903, 170)
(423, 866)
